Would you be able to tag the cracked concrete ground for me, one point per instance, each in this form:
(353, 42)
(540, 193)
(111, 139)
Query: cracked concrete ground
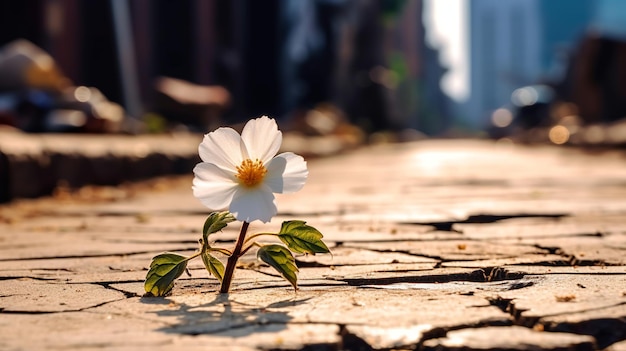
(437, 245)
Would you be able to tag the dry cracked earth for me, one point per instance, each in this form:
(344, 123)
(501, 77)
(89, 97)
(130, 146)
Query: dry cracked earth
(436, 245)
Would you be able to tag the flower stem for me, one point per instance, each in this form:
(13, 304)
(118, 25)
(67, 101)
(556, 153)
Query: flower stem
(246, 248)
(232, 260)
(257, 235)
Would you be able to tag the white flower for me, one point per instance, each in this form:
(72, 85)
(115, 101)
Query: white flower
(241, 173)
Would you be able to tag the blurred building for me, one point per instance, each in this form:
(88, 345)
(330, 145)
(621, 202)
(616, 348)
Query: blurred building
(516, 43)
(564, 23)
(505, 53)
(609, 19)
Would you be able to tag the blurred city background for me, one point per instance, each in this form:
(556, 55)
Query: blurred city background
(419, 68)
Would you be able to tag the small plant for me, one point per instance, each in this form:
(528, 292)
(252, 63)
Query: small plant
(242, 173)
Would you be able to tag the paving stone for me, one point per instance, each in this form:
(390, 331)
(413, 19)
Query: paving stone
(37, 296)
(110, 331)
(600, 270)
(432, 242)
(234, 317)
(123, 224)
(468, 288)
(355, 232)
(335, 306)
(72, 265)
(282, 336)
(354, 274)
(565, 294)
(509, 338)
(453, 250)
(105, 276)
(389, 338)
(527, 259)
(607, 249)
(530, 228)
(619, 346)
(342, 256)
(30, 245)
(58, 331)
(607, 325)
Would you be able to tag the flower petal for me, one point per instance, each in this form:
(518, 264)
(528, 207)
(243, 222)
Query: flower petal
(222, 147)
(262, 138)
(213, 186)
(252, 204)
(286, 173)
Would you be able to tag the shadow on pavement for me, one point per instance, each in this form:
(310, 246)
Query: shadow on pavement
(223, 316)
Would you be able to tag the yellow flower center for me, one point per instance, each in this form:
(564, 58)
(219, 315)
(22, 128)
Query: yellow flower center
(251, 173)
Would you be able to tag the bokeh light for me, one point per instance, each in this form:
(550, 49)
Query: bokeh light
(559, 134)
(501, 118)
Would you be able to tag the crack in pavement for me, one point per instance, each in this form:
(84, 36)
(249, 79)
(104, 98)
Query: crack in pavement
(488, 274)
(448, 226)
(121, 254)
(612, 330)
(82, 309)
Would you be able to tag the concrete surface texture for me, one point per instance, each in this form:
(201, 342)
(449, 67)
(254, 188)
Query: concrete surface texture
(437, 245)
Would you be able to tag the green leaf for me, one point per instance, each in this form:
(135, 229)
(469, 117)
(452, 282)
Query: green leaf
(213, 265)
(216, 222)
(282, 260)
(164, 269)
(302, 238)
